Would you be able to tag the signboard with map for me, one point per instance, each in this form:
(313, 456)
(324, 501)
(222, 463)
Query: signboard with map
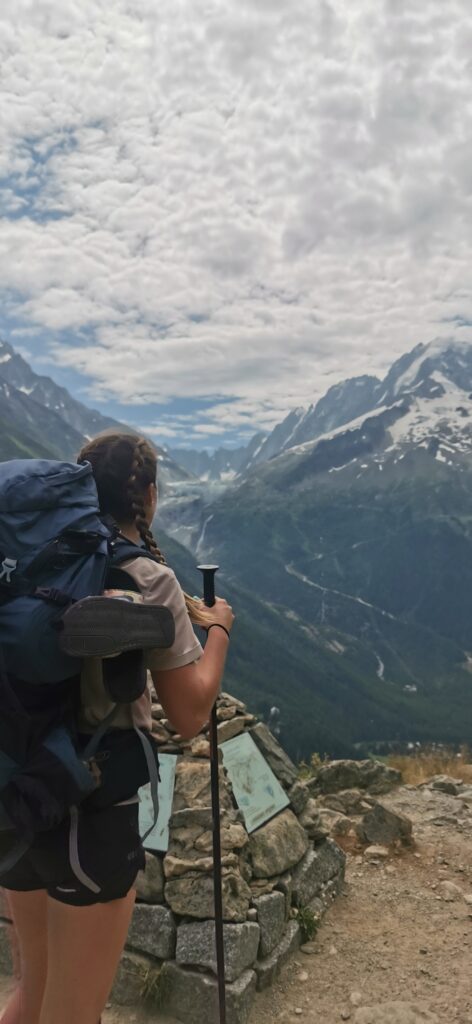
(158, 839)
(257, 792)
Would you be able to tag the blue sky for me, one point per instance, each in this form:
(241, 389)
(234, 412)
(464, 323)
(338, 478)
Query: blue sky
(210, 212)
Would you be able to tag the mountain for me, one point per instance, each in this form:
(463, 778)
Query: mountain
(367, 530)
(38, 418)
(222, 465)
(43, 390)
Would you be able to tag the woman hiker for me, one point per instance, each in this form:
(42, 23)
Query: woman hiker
(70, 939)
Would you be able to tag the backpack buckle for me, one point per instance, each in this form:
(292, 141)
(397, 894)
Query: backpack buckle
(54, 595)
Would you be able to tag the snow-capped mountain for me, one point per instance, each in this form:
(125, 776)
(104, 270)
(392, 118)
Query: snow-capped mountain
(424, 402)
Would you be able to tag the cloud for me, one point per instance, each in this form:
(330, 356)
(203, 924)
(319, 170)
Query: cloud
(241, 201)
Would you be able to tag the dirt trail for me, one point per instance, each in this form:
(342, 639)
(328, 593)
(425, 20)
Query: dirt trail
(396, 933)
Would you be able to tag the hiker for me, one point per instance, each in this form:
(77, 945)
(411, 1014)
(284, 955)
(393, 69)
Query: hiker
(71, 936)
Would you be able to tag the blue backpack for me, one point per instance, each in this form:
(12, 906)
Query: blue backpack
(55, 549)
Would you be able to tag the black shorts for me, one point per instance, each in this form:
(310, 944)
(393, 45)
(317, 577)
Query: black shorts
(110, 853)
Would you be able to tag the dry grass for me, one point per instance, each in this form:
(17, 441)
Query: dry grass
(422, 764)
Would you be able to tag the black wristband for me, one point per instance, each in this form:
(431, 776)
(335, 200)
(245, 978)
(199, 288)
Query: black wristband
(219, 627)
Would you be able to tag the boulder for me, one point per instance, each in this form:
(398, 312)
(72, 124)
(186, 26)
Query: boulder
(152, 931)
(373, 776)
(150, 883)
(196, 946)
(282, 767)
(445, 784)
(348, 801)
(381, 827)
(271, 915)
(316, 869)
(192, 896)
(268, 969)
(193, 997)
(277, 846)
(395, 1013)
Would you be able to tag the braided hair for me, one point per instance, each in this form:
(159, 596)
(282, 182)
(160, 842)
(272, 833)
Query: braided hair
(124, 466)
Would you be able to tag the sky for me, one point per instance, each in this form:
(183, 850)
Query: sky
(213, 210)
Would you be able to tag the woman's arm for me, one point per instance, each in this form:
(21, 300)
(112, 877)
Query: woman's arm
(187, 694)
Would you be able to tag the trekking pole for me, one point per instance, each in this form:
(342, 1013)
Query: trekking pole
(209, 599)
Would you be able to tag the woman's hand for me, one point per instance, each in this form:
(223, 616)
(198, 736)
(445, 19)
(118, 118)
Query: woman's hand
(221, 613)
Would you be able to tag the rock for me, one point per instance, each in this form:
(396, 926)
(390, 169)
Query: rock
(271, 917)
(152, 931)
(334, 823)
(135, 977)
(193, 997)
(450, 891)
(299, 797)
(277, 846)
(341, 775)
(279, 761)
(150, 883)
(381, 826)
(445, 784)
(196, 946)
(227, 730)
(268, 969)
(395, 1013)
(192, 896)
(468, 900)
(348, 801)
(309, 948)
(192, 786)
(355, 998)
(377, 853)
(226, 700)
(312, 821)
(175, 867)
(199, 747)
(317, 867)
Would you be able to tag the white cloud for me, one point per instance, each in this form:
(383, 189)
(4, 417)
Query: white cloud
(244, 200)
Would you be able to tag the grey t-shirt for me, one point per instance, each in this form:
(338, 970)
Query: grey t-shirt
(158, 585)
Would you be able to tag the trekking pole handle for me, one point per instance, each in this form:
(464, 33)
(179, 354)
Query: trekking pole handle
(208, 583)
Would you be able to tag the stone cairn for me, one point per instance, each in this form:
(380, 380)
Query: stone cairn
(275, 880)
(270, 878)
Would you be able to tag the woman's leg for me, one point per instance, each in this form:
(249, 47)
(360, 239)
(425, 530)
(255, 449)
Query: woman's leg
(84, 948)
(29, 913)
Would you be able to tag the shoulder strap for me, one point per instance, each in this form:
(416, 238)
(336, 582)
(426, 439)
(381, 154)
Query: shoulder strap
(123, 550)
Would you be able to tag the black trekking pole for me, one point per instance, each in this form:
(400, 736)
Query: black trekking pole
(209, 599)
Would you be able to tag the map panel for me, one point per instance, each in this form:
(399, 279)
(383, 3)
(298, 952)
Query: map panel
(158, 839)
(258, 793)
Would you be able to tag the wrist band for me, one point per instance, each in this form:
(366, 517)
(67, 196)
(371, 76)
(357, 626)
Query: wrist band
(219, 627)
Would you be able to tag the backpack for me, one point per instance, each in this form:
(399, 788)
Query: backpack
(55, 549)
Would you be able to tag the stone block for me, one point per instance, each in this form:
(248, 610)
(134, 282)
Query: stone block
(228, 730)
(282, 767)
(196, 946)
(317, 868)
(268, 969)
(271, 915)
(153, 931)
(135, 978)
(192, 786)
(277, 846)
(192, 896)
(150, 883)
(193, 997)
